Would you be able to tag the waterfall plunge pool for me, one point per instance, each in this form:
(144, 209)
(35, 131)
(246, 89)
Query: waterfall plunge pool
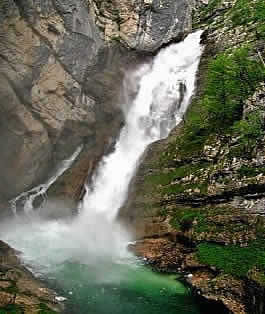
(93, 280)
(129, 288)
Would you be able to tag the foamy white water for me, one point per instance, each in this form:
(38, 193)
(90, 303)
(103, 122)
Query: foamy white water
(163, 91)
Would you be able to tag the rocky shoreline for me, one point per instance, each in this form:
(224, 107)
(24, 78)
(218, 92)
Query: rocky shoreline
(214, 291)
(20, 291)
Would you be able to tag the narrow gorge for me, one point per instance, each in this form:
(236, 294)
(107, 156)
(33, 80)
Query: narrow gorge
(132, 156)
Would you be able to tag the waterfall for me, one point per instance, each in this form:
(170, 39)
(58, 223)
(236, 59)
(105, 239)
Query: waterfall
(163, 90)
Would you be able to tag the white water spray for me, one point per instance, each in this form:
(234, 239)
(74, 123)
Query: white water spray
(163, 91)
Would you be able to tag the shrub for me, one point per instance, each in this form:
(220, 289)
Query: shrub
(231, 79)
(250, 131)
(245, 11)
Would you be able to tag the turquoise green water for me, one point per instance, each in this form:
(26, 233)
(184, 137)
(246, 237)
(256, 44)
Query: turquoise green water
(94, 273)
(120, 289)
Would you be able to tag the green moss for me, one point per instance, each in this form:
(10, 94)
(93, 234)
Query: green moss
(250, 131)
(245, 11)
(172, 189)
(212, 5)
(232, 259)
(212, 221)
(165, 178)
(116, 38)
(184, 218)
(231, 78)
(12, 289)
(246, 171)
(259, 277)
(11, 309)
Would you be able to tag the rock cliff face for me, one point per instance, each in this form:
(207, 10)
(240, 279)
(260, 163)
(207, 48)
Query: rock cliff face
(46, 48)
(143, 24)
(199, 195)
(61, 65)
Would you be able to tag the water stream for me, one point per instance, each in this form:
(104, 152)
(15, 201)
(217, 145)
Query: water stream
(27, 198)
(87, 256)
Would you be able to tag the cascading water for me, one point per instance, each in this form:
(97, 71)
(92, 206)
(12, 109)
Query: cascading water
(164, 90)
(93, 242)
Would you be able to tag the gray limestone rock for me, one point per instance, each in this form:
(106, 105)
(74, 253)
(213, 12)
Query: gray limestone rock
(46, 51)
(144, 25)
(61, 72)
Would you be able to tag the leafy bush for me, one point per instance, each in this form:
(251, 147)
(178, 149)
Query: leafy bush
(242, 12)
(231, 79)
(245, 11)
(250, 131)
(183, 219)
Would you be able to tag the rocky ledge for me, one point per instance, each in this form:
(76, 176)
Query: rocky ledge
(221, 291)
(20, 292)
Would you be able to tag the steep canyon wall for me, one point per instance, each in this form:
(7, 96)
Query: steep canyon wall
(61, 68)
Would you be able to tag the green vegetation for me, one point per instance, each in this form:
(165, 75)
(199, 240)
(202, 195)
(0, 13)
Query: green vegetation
(175, 174)
(246, 171)
(213, 4)
(183, 219)
(211, 219)
(231, 78)
(180, 188)
(164, 182)
(250, 131)
(232, 259)
(11, 309)
(257, 276)
(245, 11)
(206, 13)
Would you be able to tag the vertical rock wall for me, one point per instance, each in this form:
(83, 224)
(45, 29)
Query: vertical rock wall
(61, 67)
